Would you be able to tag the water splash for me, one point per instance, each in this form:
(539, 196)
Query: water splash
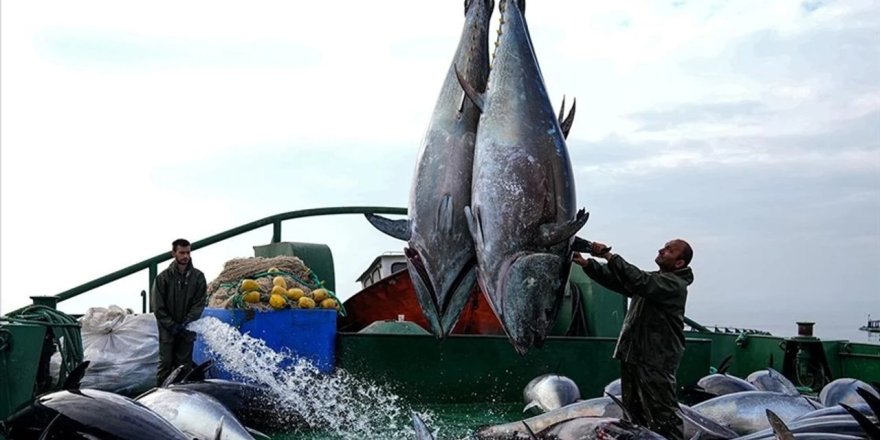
(340, 404)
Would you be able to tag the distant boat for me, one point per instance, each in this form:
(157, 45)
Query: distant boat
(872, 326)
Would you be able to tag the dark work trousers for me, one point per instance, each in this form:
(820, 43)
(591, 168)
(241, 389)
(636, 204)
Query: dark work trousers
(649, 395)
(174, 350)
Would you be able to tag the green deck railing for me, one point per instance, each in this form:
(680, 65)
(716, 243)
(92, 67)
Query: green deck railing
(152, 263)
(274, 220)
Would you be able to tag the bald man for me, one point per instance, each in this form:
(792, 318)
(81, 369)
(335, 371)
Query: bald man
(651, 341)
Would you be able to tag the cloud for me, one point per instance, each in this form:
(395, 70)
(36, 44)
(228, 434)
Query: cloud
(750, 128)
(109, 50)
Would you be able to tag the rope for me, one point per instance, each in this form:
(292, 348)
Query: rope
(313, 283)
(65, 333)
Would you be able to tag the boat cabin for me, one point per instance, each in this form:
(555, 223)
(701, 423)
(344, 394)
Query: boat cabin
(383, 266)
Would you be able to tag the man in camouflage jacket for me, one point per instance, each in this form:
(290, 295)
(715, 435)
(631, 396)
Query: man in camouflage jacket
(651, 341)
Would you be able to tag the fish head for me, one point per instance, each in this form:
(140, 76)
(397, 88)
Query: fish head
(530, 286)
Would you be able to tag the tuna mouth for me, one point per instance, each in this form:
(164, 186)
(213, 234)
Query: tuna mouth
(459, 279)
(416, 262)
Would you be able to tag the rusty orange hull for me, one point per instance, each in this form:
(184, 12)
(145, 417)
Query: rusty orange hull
(394, 295)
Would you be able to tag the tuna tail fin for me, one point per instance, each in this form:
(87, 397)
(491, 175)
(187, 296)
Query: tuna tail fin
(565, 122)
(552, 233)
(872, 430)
(872, 400)
(476, 97)
(398, 229)
(780, 429)
(74, 378)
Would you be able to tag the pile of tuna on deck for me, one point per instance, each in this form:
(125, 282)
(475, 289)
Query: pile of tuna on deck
(187, 406)
(493, 194)
(764, 406)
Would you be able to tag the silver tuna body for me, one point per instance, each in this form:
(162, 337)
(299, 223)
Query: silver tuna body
(441, 256)
(844, 391)
(548, 392)
(745, 411)
(772, 380)
(195, 413)
(523, 213)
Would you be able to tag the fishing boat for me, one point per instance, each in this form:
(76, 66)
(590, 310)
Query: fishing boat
(873, 326)
(383, 335)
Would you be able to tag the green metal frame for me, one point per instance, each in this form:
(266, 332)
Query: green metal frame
(480, 368)
(274, 220)
(19, 353)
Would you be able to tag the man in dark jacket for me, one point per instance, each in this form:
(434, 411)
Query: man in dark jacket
(651, 341)
(179, 294)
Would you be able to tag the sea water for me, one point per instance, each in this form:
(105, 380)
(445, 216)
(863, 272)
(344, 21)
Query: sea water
(338, 405)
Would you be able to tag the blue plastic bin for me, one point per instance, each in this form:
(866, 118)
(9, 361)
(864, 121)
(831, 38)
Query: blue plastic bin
(281, 329)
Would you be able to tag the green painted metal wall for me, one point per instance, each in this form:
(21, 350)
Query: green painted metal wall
(602, 309)
(466, 368)
(749, 352)
(317, 257)
(859, 360)
(20, 349)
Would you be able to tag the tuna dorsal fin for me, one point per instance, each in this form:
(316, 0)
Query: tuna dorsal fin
(725, 364)
(872, 430)
(445, 215)
(422, 431)
(75, 376)
(565, 122)
(200, 372)
(219, 431)
(398, 229)
(476, 97)
(872, 400)
(779, 427)
(626, 415)
(532, 435)
(176, 376)
(552, 233)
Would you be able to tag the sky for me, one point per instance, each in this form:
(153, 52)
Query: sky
(749, 128)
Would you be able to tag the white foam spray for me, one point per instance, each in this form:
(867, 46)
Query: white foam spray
(339, 404)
